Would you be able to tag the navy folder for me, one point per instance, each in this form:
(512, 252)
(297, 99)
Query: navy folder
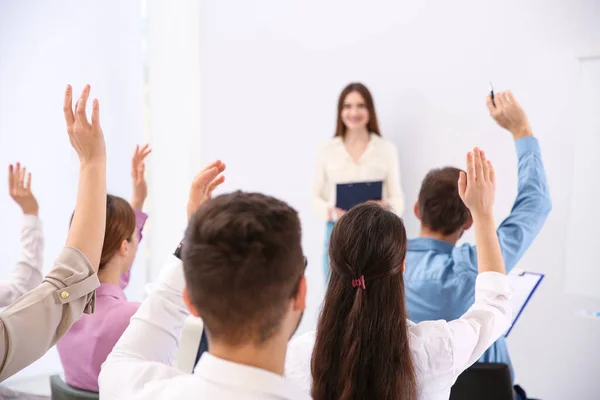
(349, 195)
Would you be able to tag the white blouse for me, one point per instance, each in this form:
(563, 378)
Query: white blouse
(27, 273)
(379, 162)
(440, 350)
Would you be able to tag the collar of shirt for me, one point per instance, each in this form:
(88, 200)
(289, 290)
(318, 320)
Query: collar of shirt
(110, 290)
(227, 373)
(428, 244)
(341, 147)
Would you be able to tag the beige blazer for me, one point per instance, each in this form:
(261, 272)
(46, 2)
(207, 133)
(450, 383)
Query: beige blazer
(38, 319)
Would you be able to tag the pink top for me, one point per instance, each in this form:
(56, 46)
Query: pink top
(89, 341)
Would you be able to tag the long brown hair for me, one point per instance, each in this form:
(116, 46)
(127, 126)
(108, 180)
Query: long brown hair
(362, 346)
(372, 125)
(120, 225)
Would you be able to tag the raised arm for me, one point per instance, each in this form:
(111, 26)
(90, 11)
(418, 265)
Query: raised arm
(27, 273)
(140, 192)
(138, 178)
(533, 204)
(489, 317)
(37, 320)
(89, 220)
(147, 346)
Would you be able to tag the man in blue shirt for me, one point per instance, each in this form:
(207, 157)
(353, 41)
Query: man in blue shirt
(440, 276)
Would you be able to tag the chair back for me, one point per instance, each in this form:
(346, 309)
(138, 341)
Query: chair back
(61, 391)
(489, 381)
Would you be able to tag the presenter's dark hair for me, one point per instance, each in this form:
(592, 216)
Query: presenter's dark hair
(361, 89)
(362, 346)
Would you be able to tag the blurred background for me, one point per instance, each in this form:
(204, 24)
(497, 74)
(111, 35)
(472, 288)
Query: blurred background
(255, 84)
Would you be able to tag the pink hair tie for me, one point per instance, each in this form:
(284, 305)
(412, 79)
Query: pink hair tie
(359, 283)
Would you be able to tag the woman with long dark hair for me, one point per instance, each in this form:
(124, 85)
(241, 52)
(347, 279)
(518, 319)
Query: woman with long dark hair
(364, 346)
(357, 153)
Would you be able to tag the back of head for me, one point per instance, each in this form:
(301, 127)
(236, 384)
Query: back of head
(120, 225)
(440, 207)
(243, 261)
(362, 350)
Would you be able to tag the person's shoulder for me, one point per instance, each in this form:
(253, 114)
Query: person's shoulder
(298, 358)
(126, 308)
(304, 340)
(465, 258)
(431, 347)
(384, 144)
(330, 144)
(299, 350)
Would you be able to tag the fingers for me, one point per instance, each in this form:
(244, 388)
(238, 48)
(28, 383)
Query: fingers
(512, 99)
(215, 164)
(141, 153)
(68, 106)
(205, 176)
(470, 169)
(484, 164)
(28, 184)
(95, 112)
(490, 104)
(499, 99)
(492, 172)
(10, 178)
(144, 151)
(462, 184)
(208, 175)
(214, 184)
(478, 164)
(22, 178)
(81, 103)
(15, 179)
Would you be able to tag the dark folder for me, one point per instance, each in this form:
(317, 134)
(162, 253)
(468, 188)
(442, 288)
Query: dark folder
(349, 195)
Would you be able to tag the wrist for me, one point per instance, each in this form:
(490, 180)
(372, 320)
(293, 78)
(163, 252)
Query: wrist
(483, 217)
(32, 212)
(92, 166)
(521, 132)
(137, 203)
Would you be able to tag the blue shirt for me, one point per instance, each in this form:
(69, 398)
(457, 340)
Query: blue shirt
(440, 277)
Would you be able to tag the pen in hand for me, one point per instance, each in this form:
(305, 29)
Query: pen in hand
(492, 94)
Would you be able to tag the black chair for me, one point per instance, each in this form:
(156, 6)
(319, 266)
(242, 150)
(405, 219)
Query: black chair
(489, 381)
(62, 391)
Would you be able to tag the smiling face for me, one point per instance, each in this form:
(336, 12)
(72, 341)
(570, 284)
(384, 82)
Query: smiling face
(354, 113)
(356, 110)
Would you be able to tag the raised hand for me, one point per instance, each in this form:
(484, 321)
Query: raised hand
(204, 184)
(19, 188)
(86, 138)
(477, 187)
(138, 169)
(509, 114)
(89, 220)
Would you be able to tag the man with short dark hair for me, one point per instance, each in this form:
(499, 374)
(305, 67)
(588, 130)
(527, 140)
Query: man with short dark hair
(439, 275)
(243, 274)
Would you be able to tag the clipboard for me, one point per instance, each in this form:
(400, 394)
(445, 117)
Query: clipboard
(524, 284)
(352, 194)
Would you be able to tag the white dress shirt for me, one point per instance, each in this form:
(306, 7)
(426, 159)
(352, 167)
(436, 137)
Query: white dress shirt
(28, 271)
(440, 350)
(335, 165)
(139, 366)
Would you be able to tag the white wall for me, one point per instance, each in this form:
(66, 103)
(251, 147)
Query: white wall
(44, 46)
(271, 74)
